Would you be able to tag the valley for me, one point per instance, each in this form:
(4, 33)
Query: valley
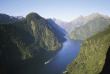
(35, 45)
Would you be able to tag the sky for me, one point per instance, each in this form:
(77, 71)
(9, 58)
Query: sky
(66, 10)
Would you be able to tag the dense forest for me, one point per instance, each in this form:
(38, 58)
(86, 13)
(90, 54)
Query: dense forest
(33, 38)
(93, 55)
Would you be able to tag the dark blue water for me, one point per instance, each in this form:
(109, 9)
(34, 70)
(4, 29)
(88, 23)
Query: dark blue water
(67, 54)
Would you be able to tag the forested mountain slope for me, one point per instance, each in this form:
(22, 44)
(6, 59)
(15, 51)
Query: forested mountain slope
(33, 37)
(92, 55)
(4, 18)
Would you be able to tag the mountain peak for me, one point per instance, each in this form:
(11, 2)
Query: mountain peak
(18, 17)
(95, 15)
(54, 19)
(32, 16)
(81, 16)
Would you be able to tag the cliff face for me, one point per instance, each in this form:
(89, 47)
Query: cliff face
(92, 55)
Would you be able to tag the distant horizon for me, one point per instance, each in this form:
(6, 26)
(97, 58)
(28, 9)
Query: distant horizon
(57, 18)
(66, 10)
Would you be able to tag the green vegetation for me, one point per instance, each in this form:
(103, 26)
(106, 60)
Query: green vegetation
(89, 29)
(30, 38)
(6, 18)
(92, 54)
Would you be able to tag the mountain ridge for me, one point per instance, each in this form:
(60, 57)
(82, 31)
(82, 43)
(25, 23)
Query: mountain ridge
(77, 22)
(32, 40)
(4, 18)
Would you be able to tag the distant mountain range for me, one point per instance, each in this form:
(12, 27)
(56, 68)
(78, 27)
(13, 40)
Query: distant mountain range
(80, 21)
(4, 18)
(19, 17)
(56, 26)
(96, 24)
(60, 23)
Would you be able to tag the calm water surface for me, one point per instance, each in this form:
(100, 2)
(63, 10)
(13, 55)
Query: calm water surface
(67, 54)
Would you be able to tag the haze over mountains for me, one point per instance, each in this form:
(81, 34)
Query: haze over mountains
(98, 24)
(19, 17)
(56, 26)
(80, 21)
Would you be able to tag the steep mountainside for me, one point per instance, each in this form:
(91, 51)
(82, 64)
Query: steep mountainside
(106, 68)
(60, 23)
(4, 18)
(56, 26)
(89, 29)
(33, 37)
(92, 54)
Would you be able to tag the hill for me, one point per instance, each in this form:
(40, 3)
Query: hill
(32, 38)
(92, 55)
